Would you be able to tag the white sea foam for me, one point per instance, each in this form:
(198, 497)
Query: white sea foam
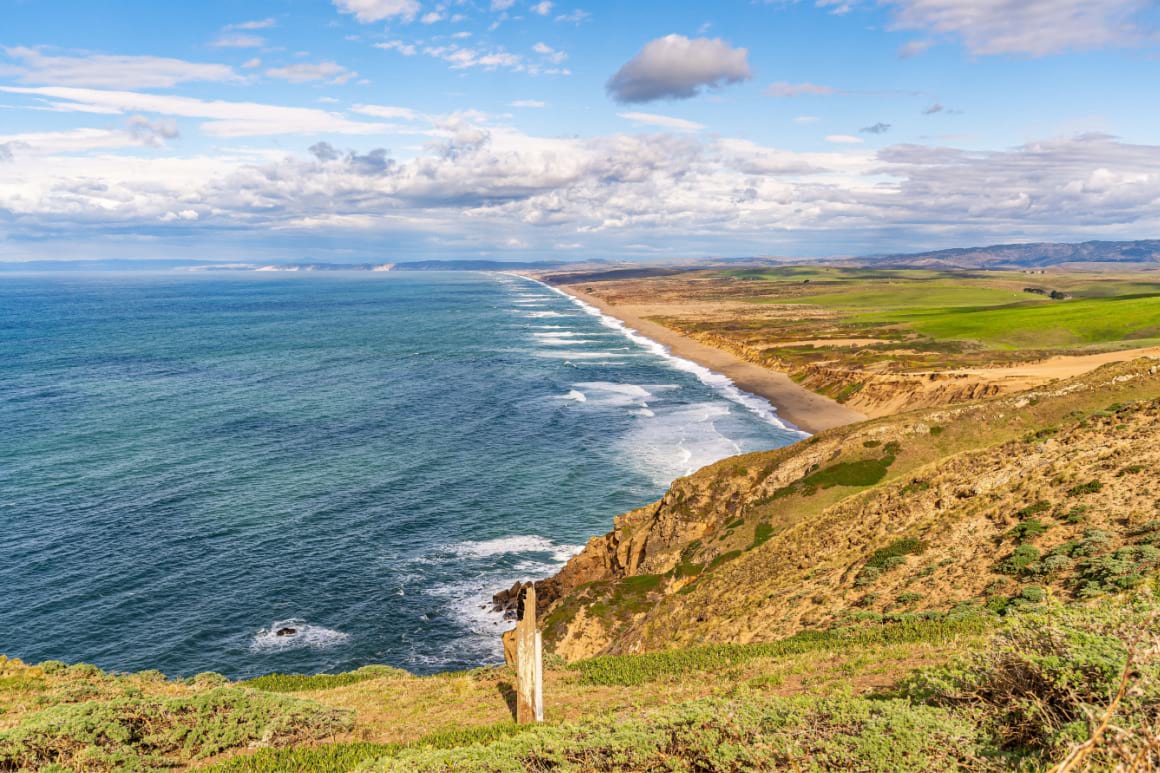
(581, 355)
(678, 440)
(558, 334)
(469, 600)
(543, 314)
(576, 395)
(567, 341)
(516, 545)
(306, 636)
(723, 384)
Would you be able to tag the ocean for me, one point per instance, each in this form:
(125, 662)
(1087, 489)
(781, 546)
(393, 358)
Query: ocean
(189, 462)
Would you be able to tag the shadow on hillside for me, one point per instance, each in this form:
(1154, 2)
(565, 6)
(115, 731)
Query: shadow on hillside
(509, 696)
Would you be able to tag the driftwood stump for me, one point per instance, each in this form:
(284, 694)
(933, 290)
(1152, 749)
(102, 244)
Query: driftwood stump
(529, 659)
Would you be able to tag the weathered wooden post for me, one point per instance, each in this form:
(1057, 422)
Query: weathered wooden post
(529, 664)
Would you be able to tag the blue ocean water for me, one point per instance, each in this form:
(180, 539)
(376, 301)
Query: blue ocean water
(190, 461)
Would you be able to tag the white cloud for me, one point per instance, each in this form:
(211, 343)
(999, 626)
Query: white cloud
(101, 70)
(1027, 27)
(387, 111)
(251, 64)
(549, 53)
(533, 103)
(577, 16)
(237, 40)
(306, 72)
(677, 67)
(806, 119)
(502, 5)
(406, 49)
(542, 8)
(223, 119)
(367, 11)
(784, 89)
(462, 58)
(914, 48)
(431, 17)
(843, 139)
(255, 24)
(662, 121)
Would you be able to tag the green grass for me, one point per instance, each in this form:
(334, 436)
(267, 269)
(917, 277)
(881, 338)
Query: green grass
(299, 682)
(1038, 325)
(748, 731)
(879, 296)
(865, 472)
(137, 733)
(627, 670)
(342, 757)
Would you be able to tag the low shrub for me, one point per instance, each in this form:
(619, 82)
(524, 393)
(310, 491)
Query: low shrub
(1046, 679)
(749, 731)
(299, 682)
(137, 733)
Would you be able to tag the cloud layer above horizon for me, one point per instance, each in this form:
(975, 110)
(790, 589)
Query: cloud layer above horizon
(406, 128)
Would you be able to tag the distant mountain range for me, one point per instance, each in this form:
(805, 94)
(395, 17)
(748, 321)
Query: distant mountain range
(1037, 255)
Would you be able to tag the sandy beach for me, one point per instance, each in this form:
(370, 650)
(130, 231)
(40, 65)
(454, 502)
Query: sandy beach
(799, 406)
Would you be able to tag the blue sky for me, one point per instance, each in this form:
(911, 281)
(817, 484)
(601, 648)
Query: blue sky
(382, 129)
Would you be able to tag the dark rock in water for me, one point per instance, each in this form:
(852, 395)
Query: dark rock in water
(286, 632)
(510, 602)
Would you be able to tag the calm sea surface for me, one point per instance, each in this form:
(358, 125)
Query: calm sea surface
(188, 462)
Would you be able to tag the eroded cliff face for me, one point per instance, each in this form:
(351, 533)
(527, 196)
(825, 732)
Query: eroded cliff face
(913, 514)
(872, 393)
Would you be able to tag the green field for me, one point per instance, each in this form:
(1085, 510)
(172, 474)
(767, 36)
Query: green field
(1132, 320)
(989, 309)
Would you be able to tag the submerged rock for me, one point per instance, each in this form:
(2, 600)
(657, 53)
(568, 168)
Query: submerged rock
(286, 632)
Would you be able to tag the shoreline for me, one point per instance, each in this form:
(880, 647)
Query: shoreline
(795, 405)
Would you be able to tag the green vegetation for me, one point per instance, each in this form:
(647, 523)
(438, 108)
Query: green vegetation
(131, 733)
(341, 757)
(628, 670)
(891, 555)
(746, 732)
(1049, 678)
(301, 682)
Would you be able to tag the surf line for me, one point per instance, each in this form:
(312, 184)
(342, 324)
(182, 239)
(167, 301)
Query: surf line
(759, 406)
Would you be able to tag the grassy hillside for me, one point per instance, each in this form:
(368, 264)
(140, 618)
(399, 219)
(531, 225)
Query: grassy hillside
(981, 693)
(1051, 493)
(968, 588)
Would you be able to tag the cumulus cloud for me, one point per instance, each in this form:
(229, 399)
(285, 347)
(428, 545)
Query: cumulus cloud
(481, 183)
(367, 11)
(662, 121)
(542, 8)
(1027, 27)
(101, 70)
(878, 128)
(152, 133)
(677, 67)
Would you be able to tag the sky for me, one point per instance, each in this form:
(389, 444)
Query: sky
(377, 130)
